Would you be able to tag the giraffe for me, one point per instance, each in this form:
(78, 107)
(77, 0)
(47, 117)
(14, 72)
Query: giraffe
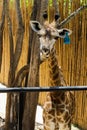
(58, 107)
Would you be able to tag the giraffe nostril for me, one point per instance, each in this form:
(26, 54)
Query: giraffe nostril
(46, 50)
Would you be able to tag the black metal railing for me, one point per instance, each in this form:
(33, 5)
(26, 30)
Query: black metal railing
(43, 89)
(37, 89)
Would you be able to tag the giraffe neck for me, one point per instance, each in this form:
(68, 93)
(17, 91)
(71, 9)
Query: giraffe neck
(56, 74)
(58, 108)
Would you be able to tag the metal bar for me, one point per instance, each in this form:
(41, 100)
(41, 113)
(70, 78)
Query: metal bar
(44, 89)
(18, 108)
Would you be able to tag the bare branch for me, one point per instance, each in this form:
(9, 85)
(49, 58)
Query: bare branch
(20, 35)
(1, 32)
(44, 5)
(65, 21)
(20, 75)
(57, 15)
(11, 75)
(2, 17)
(44, 9)
(55, 4)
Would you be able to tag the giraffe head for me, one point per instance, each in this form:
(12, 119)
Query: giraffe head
(48, 33)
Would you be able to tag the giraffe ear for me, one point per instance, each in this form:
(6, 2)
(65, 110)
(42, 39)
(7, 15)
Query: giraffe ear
(36, 26)
(63, 32)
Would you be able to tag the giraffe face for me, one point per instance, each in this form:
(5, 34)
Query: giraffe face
(48, 34)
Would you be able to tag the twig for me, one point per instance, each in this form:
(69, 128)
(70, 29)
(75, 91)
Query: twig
(65, 21)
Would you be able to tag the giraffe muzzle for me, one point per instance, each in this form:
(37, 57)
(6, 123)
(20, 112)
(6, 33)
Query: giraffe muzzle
(45, 50)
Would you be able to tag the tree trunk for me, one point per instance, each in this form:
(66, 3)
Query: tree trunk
(12, 100)
(33, 77)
